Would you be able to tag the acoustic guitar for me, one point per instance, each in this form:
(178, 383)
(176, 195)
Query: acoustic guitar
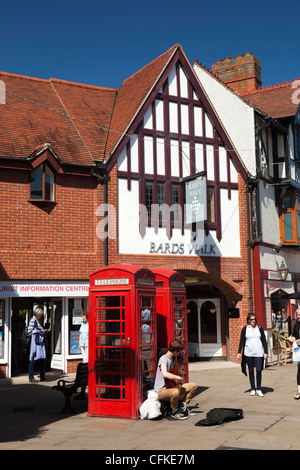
(177, 370)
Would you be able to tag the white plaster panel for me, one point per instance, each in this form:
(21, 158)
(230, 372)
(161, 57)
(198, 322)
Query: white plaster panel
(223, 164)
(184, 112)
(185, 159)
(183, 84)
(208, 127)
(134, 153)
(173, 113)
(210, 162)
(159, 114)
(230, 220)
(199, 158)
(122, 161)
(160, 156)
(173, 82)
(174, 153)
(291, 142)
(233, 172)
(148, 154)
(148, 119)
(198, 121)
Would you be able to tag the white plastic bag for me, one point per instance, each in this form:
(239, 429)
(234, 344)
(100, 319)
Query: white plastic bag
(296, 353)
(150, 409)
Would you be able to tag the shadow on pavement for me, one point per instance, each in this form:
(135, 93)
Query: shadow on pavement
(25, 409)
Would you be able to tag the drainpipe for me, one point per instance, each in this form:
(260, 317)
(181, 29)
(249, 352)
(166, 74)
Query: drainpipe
(105, 201)
(103, 178)
(227, 329)
(249, 248)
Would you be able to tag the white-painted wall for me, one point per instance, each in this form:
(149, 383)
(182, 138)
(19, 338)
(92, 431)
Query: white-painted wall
(237, 117)
(269, 215)
(131, 242)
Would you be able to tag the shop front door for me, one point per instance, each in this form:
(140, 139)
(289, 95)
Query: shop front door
(56, 339)
(204, 333)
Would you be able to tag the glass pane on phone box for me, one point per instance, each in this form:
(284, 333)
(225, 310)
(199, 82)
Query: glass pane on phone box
(110, 354)
(110, 393)
(110, 379)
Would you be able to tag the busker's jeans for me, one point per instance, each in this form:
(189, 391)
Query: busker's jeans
(258, 363)
(188, 390)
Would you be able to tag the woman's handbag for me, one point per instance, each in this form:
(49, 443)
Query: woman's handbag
(296, 353)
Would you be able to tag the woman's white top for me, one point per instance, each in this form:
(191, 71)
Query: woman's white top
(253, 346)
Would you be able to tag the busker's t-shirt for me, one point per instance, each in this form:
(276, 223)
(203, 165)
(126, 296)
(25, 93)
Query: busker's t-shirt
(159, 380)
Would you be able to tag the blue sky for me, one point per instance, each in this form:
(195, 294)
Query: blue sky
(102, 43)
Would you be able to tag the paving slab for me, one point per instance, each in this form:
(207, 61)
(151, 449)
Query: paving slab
(29, 418)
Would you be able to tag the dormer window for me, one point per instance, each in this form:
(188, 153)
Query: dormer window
(42, 184)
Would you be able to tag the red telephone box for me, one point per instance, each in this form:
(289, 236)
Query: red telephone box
(171, 310)
(122, 340)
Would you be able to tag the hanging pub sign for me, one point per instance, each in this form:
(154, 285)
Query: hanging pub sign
(195, 192)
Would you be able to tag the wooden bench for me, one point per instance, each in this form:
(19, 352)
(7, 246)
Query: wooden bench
(68, 388)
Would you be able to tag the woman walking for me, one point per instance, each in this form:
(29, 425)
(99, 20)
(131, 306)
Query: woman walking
(296, 336)
(254, 346)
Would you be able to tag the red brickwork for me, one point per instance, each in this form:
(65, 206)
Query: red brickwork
(54, 242)
(242, 74)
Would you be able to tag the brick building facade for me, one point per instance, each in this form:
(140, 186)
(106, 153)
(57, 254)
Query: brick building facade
(68, 149)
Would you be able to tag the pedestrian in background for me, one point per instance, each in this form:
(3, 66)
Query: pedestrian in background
(84, 337)
(37, 345)
(253, 344)
(84, 347)
(296, 336)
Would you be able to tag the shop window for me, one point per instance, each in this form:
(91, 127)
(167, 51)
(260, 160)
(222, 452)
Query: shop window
(175, 201)
(161, 200)
(42, 184)
(149, 198)
(166, 204)
(152, 197)
(76, 307)
(2, 323)
(290, 219)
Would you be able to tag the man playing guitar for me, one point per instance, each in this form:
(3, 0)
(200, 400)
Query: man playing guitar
(174, 394)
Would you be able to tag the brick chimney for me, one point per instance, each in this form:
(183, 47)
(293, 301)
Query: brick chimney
(242, 74)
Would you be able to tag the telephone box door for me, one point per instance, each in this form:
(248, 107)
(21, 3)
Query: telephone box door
(110, 354)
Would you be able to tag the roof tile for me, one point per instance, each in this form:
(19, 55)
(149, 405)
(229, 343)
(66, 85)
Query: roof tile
(276, 101)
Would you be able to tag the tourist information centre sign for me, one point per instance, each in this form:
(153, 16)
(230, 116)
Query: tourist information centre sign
(47, 289)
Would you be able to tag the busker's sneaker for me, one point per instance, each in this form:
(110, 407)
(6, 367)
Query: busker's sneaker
(185, 410)
(259, 393)
(178, 415)
(190, 412)
(252, 394)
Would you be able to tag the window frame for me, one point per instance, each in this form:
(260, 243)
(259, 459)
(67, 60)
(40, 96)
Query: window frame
(44, 200)
(294, 210)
